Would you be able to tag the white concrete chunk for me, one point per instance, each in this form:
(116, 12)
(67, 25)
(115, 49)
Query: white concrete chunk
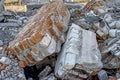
(80, 48)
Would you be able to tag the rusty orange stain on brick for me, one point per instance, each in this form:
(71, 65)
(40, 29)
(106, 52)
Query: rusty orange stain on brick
(27, 62)
(32, 39)
(38, 37)
(12, 50)
(26, 44)
(21, 46)
(59, 25)
(29, 56)
(17, 50)
(53, 33)
(48, 23)
(64, 11)
(22, 64)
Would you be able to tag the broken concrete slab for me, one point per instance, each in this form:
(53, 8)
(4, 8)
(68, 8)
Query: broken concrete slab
(74, 52)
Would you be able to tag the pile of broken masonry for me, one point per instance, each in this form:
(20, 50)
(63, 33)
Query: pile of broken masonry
(73, 44)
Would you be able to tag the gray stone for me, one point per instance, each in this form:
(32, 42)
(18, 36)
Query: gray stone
(9, 24)
(92, 19)
(1, 42)
(44, 73)
(5, 60)
(49, 77)
(30, 78)
(1, 5)
(102, 75)
(1, 18)
(11, 79)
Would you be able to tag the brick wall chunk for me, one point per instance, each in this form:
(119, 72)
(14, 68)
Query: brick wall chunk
(43, 34)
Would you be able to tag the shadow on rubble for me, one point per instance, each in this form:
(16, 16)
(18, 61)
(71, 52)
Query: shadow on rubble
(41, 69)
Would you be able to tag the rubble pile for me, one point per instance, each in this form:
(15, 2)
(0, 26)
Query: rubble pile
(9, 67)
(81, 42)
(10, 24)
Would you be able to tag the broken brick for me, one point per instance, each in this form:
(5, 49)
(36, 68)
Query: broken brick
(50, 19)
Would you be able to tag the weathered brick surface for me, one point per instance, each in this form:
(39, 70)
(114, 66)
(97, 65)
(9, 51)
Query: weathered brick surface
(41, 36)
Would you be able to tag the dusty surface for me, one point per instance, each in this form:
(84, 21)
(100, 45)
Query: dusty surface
(100, 18)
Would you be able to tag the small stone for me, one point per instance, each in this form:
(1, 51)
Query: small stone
(7, 79)
(11, 56)
(1, 49)
(21, 75)
(1, 43)
(11, 79)
(30, 78)
(113, 32)
(45, 72)
(22, 64)
(118, 75)
(15, 78)
(5, 60)
(16, 64)
(102, 75)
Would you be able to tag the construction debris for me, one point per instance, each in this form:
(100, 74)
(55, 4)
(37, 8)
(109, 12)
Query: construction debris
(50, 77)
(46, 34)
(9, 68)
(1, 5)
(44, 73)
(79, 43)
(62, 41)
